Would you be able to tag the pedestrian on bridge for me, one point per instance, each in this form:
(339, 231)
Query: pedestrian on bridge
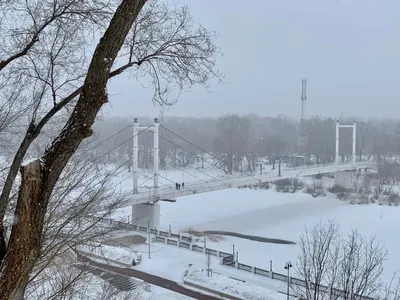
(183, 185)
(177, 185)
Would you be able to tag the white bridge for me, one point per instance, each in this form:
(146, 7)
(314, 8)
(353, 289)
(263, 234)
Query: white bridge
(145, 207)
(198, 187)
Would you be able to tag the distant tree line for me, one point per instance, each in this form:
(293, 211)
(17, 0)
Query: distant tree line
(237, 142)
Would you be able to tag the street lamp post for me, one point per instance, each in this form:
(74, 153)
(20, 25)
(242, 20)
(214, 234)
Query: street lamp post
(279, 166)
(288, 265)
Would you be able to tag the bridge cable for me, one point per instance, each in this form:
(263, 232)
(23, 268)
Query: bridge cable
(213, 177)
(107, 139)
(104, 154)
(189, 142)
(196, 155)
(178, 167)
(190, 152)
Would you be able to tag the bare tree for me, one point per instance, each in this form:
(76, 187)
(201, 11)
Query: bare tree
(50, 52)
(40, 176)
(63, 282)
(232, 141)
(334, 266)
(392, 289)
(166, 47)
(313, 266)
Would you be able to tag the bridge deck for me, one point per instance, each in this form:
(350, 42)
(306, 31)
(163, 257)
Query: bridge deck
(204, 187)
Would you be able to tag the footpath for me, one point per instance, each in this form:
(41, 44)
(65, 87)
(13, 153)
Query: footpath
(149, 278)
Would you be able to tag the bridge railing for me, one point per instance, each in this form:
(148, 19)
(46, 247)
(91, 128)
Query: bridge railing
(209, 186)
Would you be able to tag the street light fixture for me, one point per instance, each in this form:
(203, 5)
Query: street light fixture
(288, 265)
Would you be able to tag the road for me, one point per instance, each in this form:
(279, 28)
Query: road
(149, 278)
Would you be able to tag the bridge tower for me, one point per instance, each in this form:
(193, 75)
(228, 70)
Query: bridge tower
(302, 142)
(147, 214)
(354, 127)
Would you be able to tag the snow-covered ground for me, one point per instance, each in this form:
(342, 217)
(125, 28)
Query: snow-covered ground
(172, 262)
(91, 287)
(121, 254)
(277, 215)
(230, 286)
(95, 291)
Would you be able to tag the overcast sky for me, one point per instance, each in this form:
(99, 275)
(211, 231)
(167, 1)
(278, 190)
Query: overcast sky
(349, 50)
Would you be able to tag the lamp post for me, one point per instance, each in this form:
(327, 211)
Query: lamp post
(279, 166)
(288, 265)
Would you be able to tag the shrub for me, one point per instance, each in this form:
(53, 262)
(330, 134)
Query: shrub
(297, 184)
(337, 189)
(265, 185)
(342, 195)
(288, 185)
(393, 199)
(318, 176)
(283, 185)
(316, 189)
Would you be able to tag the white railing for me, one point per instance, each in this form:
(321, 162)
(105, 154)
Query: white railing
(207, 186)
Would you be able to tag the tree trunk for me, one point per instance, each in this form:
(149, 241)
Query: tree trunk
(7, 187)
(40, 178)
(25, 240)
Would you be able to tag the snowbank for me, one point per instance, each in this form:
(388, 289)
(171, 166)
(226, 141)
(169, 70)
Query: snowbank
(120, 254)
(229, 286)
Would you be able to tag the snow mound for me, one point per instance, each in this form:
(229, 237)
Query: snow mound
(120, 254)
(229, 286)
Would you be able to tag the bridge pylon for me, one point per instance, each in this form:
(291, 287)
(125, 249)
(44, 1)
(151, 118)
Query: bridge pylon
(146, 214)
(354, 127)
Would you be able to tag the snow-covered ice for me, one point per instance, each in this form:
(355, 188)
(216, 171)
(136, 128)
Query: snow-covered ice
(277, 215)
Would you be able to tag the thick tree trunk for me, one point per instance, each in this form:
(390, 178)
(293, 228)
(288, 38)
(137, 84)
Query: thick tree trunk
(39, 179)
(25, 239)
(7, 187)
(32, 133)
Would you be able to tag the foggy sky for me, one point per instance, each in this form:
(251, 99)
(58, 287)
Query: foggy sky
(349, 50)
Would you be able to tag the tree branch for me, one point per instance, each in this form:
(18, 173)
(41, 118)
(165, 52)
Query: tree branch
(27, 244)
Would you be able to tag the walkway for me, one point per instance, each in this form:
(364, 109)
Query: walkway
(210, 185)
(149, 278)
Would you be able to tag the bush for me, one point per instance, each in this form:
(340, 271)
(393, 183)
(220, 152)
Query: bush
(393, 199)
(318, 176)
(265, 185)
(316, 189)
(288, 185)
(297, 184)
(283, 185)
(342, 196)
(338, 189)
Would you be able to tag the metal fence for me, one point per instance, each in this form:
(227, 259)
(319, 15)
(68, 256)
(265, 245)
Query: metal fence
(187, 242)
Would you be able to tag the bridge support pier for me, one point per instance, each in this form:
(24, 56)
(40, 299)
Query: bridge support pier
(147, 214)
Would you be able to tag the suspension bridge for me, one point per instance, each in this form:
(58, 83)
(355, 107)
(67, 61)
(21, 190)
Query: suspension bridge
(144, 202)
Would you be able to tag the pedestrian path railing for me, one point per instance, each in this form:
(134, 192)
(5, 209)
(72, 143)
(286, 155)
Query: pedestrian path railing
(227, 259)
